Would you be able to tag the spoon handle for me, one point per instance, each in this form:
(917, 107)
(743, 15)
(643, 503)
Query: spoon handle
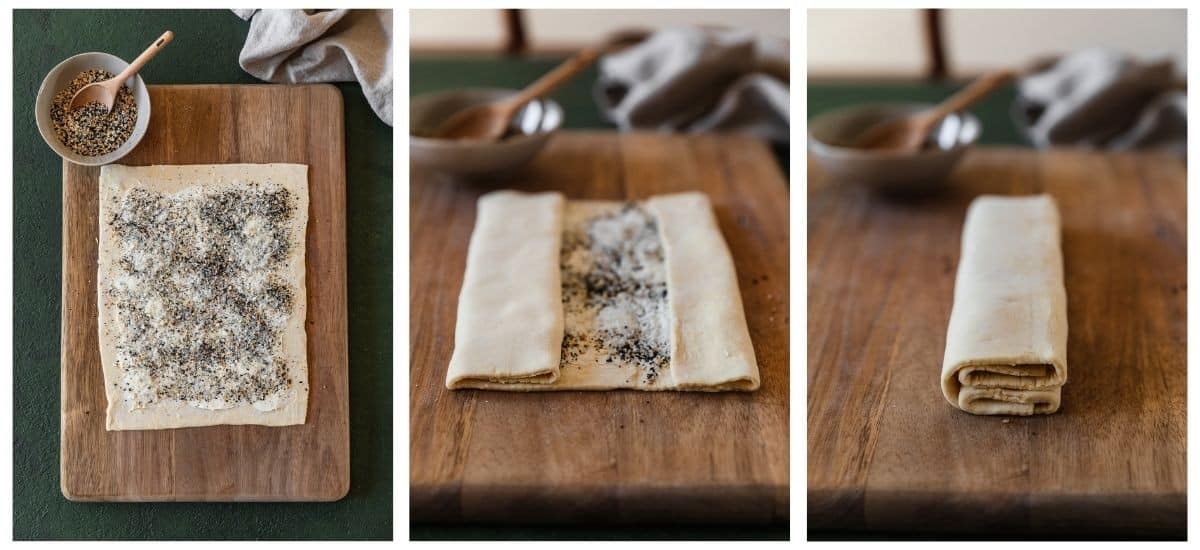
(146, 56)
(974, 92)
(555, 78)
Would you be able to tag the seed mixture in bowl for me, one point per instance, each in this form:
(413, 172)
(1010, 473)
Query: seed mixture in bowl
(90, 131)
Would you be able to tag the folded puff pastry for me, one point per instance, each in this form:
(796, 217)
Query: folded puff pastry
(511, 330)
(1006, 347)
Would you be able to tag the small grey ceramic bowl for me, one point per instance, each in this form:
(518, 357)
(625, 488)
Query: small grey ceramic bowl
(62, 75)
(532, 128)
(831, 134)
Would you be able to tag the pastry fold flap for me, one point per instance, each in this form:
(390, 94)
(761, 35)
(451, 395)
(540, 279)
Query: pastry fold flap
(1006, 346)
(710, 342)
(510, 316)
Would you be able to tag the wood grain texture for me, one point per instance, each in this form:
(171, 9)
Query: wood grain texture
(217, 124)
(887, 452)
(616, 456)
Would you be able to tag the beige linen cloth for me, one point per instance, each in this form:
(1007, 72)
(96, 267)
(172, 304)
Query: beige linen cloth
(1104, 99)
(303, 46)
(1006, 347)
(695, 80)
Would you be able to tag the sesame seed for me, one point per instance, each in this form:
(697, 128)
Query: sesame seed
(91, 130)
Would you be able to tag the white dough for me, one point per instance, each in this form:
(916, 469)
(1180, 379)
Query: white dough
(510, 321)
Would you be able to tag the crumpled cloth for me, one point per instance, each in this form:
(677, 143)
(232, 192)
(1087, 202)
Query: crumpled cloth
(1104, 99)
(299, 46)
(698, 80)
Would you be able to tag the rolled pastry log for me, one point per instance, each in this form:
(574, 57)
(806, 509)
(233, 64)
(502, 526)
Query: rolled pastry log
(1006, 348)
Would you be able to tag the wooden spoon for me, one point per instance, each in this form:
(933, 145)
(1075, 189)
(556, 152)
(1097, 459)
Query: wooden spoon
(490, 121)
(909, 133)
(105, 92)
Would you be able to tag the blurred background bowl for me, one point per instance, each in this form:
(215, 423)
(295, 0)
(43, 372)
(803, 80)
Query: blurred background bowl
(61, 76)
(830, 136)
(531, 129)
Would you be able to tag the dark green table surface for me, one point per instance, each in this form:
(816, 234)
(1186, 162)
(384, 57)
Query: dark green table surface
(205, 50)
(432, 73)
(993, 112)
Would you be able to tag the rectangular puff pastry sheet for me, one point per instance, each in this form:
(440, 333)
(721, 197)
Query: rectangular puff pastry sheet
(117, 179)
(1006, 347)
(510, 329)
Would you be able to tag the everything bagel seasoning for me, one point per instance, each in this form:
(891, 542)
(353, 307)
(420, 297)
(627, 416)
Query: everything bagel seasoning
(614, 290)
(200, 303)
(91, 131)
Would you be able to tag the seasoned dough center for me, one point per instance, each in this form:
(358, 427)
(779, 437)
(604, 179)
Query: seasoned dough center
(614, 291)
(200, 304)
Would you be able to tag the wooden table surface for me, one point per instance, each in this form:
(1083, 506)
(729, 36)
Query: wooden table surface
(887, 452)
(198, 125)
(616, 456)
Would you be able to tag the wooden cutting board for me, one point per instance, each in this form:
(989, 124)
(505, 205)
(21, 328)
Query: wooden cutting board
(216, 124)
(887, 452)
(614, 456)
